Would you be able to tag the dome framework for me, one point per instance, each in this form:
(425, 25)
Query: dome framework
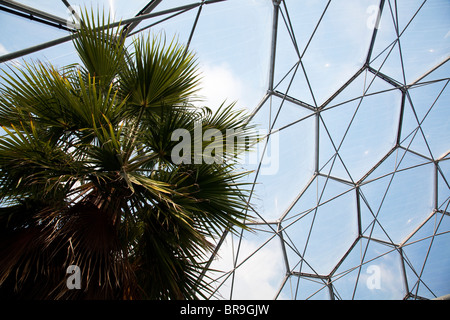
(352, 182)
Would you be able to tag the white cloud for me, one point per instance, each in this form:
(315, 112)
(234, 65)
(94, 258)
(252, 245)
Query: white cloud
(219, 84)
(3, 50)
(257, 278)
(222, 83)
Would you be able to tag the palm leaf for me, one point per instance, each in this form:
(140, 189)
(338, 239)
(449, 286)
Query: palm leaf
(87, 177)
(100, 48)
(159, 74)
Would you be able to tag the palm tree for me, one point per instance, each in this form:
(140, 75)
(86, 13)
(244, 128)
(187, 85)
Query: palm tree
(87, 177)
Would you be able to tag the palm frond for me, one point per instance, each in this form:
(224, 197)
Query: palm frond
(87, 175)
(100, 48)
(30, 165)
(159, 73)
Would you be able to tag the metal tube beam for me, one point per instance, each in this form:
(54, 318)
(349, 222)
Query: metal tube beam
(276, 5)
(49, 44)
(34, 18)
(310, 275)
(430, 71)
(375, 30)
(283, 248)
(33, 11)
(146, 10)
(386, 78)
(72, 11)
(293, 100)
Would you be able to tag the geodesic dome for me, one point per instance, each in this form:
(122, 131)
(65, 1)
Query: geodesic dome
(352, 181)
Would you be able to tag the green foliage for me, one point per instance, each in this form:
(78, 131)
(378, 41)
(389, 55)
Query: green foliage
(86, 176)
